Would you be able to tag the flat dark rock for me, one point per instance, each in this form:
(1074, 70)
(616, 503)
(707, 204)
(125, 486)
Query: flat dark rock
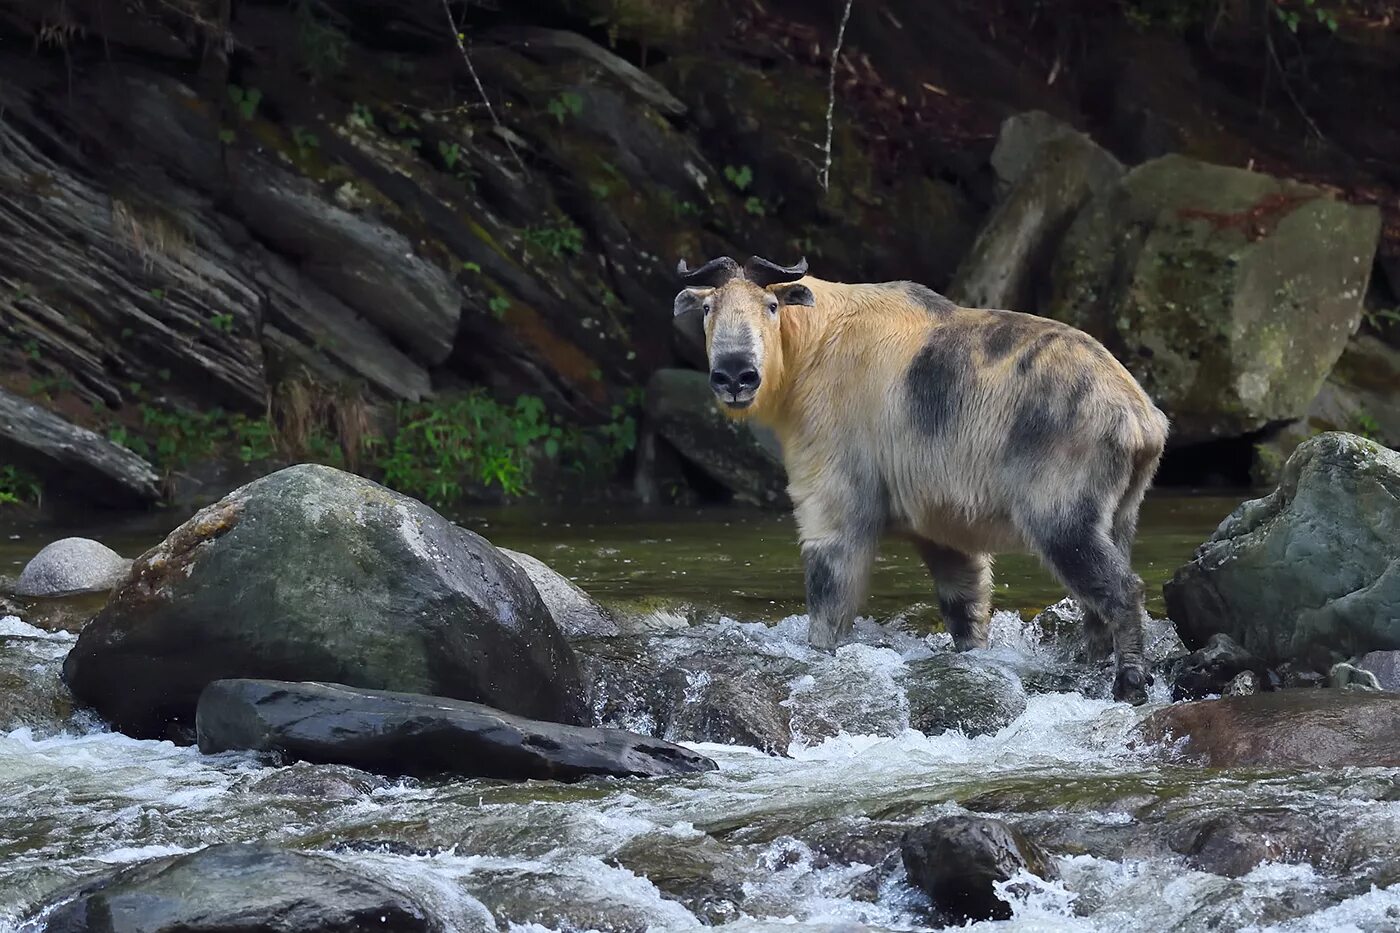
(1286, 728)
(404, 733)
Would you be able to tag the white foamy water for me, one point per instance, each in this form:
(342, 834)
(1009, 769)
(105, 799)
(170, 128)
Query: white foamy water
(765, 843)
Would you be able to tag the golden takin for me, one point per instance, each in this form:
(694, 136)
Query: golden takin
(968, 431)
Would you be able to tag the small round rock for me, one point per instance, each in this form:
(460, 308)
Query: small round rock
(72, 565)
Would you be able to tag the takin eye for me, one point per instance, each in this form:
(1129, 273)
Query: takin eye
(773, 307)
(706, 307)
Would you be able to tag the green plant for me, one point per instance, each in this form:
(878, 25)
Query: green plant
(361, 117)
(740, 177)
(323, 45)
(472, 266)
(567, 104)
(255, 437)
(556, 241)
(1376, 318)
(473, 438)
(450, 153)
(19, 487)
(754, 205)
(246, 100)
(499, 305)
(1292, 18)
(157, 293)
(223, 322)
(226, 137)
(1365, 424)
(305, 141)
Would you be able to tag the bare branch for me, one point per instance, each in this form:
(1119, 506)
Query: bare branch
(825, 175)
(460, 39)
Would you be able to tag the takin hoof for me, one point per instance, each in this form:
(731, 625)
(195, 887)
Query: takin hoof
(822, 640)
(1130, 686)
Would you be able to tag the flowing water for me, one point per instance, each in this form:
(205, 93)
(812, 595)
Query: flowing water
(765, 843)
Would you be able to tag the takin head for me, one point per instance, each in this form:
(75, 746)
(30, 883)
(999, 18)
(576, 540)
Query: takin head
(742, 308)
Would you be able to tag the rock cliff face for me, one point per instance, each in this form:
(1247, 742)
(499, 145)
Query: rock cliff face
(203, 201)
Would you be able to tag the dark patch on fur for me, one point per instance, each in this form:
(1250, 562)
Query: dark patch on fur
(1001, 337)
(937, 379)
(925, 296)
(1036, 427)
(1037, 346)
(821, 581)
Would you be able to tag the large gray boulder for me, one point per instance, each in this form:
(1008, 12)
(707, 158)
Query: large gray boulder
(1054, 175)
(73, 459)
(1229, 294)
(1309, 574)
(573, 610)
(404, 733)
(681, 409)
(70, 566)
(315, 574)
(237, 888)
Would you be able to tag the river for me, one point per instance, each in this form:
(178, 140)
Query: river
(765, 842)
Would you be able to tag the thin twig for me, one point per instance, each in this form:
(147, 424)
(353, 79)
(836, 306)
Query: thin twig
(1288, 88)
(471, 69)
(831, 97)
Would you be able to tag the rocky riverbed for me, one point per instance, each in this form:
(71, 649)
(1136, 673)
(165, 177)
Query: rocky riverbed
(756, 784)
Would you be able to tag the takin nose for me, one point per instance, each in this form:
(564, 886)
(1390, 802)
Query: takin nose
(734, 378)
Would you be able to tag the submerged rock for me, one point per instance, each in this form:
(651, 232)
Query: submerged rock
(1228, 293)
(956, 860)
(70, 566)
(1285, 728)
(1309, 574)
(315, 574)
(31, 691)
(957, 693)
(1234, 844)
(573, 610)
(681, 408)
(237, 887)
(319, 782)
(404, 733)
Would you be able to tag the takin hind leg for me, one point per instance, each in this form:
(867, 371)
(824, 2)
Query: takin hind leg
(1098, 575)
(964, 584)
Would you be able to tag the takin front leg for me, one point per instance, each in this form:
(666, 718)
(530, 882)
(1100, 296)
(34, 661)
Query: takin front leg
(838, 573)
(964, 584)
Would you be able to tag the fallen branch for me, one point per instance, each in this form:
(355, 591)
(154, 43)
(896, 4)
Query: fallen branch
(825, 174)
(480, 89)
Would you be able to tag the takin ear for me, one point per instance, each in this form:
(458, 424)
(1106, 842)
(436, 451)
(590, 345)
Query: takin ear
(794, 294)
(690, 299)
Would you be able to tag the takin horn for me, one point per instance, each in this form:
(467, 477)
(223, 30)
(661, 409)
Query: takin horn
(762, 272)
(714, 273)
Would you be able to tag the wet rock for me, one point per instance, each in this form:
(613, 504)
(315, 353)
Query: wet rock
(573, 610)
(238, 887)
(55, 613)
(31, 691)
(697, 870)
(315, 574)
(1234, 844)
(72, 565)
(1053, 178)
(319, 782)
(73, 459)
(1229, 294)
(1309, 574)
(1209, 670)
(712, 686)
(682, 409)
(958, 693)
(1385, 665)
(955, 860)
(1284, 728)
(404, 733)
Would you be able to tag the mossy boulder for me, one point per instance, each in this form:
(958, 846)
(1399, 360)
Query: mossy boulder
(1309, 574)
(1230, 294)
(315, 574)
